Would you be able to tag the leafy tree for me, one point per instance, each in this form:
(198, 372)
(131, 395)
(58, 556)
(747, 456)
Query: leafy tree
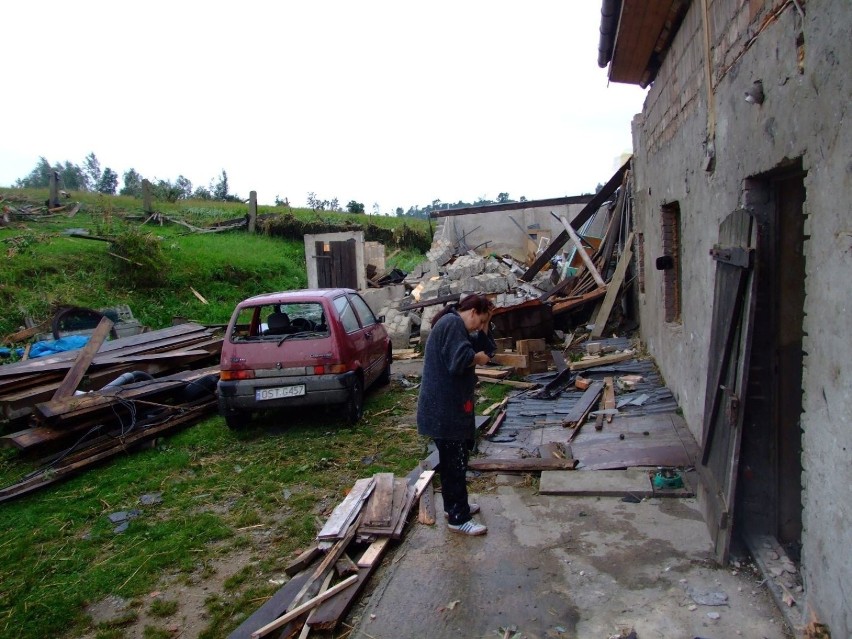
(108, 182)
(72, 176)
(376, 209)
(355, 207)
(503, 198)
(184, 186)
(599, 188)
(314, 202)
(91, 172)
(523, 198)
(280, 202)
(165, 190)
(220, 189)
(400, 212)
(202, 193)
(132, 184)
(38, 178)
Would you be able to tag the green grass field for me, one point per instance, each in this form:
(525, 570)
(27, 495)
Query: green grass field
(260, 494)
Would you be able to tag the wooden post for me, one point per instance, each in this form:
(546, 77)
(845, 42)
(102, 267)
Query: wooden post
(54, 190)
(252, 211)
(582, 251)
(147, 206)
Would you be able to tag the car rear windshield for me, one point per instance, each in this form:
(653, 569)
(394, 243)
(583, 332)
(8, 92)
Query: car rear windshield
(297, 320)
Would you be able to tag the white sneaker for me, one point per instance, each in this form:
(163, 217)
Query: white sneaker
(474, 508)
(469, 527)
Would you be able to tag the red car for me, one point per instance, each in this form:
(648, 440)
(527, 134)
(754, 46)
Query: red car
(302, 348)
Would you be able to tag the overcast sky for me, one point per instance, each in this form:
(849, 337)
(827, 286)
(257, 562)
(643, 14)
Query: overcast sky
(395, 103)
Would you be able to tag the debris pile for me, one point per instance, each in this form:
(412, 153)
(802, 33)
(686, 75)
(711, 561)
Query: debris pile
(560, 285)
(349, 548)
(82, 406)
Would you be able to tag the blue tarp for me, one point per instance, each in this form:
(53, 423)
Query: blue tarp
(50, 347)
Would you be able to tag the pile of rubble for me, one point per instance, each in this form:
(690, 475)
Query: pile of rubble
(530, 298)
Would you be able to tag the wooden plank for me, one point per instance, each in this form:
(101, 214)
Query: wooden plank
(529, 346)
(495, 425)
(581, 250)
(508, 382)
(374, 553)
(493, 373)
(407, 504)
(563, 306)
(271, 609)
(344, 566)
(530, 464)
(331, 612)
(584, 405)
(314, 582)
(613, 288)
(426, 513)
(303, 561)
(423, 482)
(305, 607)
(400, 488)
(608, 396)
(76, 406)
(605, 360)
(84, 358)
(142, 341)
(379, 506)
(346, 511)
(515, 360)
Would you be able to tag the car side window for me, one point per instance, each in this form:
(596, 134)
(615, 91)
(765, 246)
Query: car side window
(346, 314)
(363, 310)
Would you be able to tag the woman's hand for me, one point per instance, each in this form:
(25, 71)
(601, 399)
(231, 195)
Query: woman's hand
(481, 359)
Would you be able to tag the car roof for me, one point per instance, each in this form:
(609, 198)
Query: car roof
(301, 295)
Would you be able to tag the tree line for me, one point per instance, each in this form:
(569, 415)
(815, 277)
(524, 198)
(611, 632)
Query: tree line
(89, 177)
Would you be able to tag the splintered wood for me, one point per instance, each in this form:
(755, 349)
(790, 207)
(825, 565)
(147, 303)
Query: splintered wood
(373, 512)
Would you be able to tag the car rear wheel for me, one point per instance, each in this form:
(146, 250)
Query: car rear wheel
(237, 419)
(355, 403)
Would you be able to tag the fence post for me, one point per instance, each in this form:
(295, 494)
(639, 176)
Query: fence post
(147, 207)
(252, 211)
(54, 190)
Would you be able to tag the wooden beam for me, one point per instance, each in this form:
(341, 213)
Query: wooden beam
(606, 360)
(84, 359)
(530, 464)
(575, 239)
(579, 411)
(305, 607)
(612, 288)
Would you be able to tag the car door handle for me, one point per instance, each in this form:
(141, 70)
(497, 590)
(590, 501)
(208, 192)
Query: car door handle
(368, 334)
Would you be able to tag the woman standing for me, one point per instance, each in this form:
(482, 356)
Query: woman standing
(445, 406)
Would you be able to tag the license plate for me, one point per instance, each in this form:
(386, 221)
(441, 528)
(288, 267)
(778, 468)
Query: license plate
(262, 394)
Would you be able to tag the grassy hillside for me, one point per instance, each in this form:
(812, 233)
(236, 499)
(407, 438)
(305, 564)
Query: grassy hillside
(153, 268)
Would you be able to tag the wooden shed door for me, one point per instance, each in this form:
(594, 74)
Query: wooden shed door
(337, 266)
(730, 350)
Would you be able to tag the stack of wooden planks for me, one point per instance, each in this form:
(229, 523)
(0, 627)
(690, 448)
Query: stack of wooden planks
(25, 384)
(138, 388)
(349, 548)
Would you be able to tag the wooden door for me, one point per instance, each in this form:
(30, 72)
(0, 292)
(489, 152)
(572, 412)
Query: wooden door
(337, 266)
(727, 373)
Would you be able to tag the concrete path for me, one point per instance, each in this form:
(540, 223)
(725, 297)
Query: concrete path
(557, 566)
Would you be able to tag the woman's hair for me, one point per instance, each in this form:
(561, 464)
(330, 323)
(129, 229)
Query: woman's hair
(479, 303)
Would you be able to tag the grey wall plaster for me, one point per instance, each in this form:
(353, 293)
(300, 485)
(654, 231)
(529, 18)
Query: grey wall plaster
(805, 115)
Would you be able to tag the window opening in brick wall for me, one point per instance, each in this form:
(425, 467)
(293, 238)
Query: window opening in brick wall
(672, 289)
